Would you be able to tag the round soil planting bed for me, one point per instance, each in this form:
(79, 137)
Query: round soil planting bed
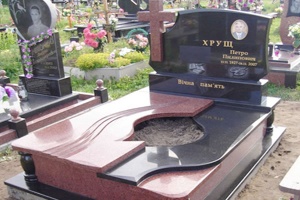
(168, 131)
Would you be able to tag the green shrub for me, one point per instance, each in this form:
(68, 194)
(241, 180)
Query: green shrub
(92, 61)
(7, 40)
(119, 62)
(135, 56)
(10, 61)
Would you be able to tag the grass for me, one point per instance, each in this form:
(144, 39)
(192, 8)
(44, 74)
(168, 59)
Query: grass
(115, 88)
(286, 94)
(8, 154)
(274, 36)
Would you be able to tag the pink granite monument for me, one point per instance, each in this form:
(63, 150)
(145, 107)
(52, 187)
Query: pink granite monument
(205, 75)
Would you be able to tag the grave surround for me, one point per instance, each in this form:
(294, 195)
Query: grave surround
(92, 154)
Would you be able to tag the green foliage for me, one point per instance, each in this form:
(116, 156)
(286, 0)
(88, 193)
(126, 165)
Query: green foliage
(286, 94)
(69, 58)
(127, 85)
(274, 35)
(270, 6)
(116, 89)
(10, 61)
(8, 154)
(5, 15)
(5, 2)
(92, 61)
(119, 62)
(117, 45)
(61, 24)
(7, 40)
(135, 56)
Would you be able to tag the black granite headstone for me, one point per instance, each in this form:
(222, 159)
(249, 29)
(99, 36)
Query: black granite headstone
(48, 71)
(47, 59)
(133, 6)
(214, 53)
(48, 86)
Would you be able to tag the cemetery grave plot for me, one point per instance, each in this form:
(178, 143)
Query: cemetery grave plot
(215, 78)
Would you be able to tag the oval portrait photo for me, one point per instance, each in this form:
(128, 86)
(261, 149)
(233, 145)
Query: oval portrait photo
(239, 29)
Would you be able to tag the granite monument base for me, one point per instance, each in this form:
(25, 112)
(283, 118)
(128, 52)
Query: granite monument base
(230, 187)
(48, 86)
(93, 155)
(37, 104)
(283, 77)
(225, 89)
(284, 67)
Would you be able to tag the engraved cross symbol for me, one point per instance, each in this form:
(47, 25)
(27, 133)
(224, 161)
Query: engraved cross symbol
(156, 16)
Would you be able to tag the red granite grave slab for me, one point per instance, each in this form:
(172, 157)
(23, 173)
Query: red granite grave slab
(104, 129)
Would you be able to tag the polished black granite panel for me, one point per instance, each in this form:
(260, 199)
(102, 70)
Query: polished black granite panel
(230, 90)
(243, 171)
(47, 59)
(37, 104)
(132, 7)
(48, 86)
(42, 190)
(203, 42)
(232, 124)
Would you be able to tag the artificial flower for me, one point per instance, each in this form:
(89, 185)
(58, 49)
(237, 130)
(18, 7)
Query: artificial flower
(95, 40)
(25, 48)
(139, 43)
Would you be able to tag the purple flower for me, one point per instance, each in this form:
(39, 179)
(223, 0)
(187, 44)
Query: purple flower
(50, 32)
(250, 1)
(23, 49)
(29, 75)
(24, 57)
(9, 91)
(28, 63)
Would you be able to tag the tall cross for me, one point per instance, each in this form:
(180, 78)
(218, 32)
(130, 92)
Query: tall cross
(156, 16)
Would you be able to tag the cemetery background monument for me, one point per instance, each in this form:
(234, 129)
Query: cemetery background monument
(202, 73)
(288, 18)
(284, 61)
(40, 47)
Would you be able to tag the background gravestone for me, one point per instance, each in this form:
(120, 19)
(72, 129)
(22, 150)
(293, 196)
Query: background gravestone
(287, 18)
(133, 6)
(48, 72)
